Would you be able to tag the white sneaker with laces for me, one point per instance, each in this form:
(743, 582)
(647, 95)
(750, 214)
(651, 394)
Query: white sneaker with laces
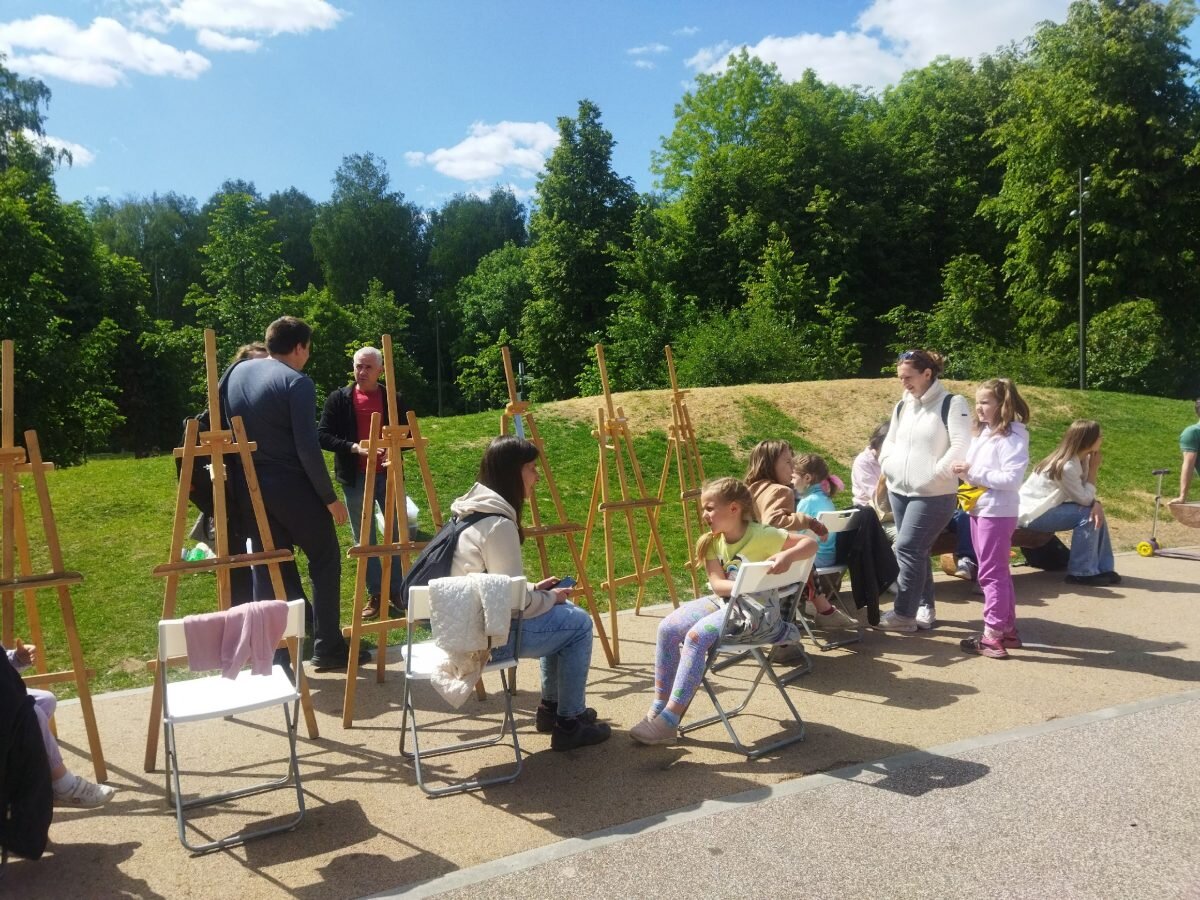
(84, 794)
(893, 621)
(654, 731)
(925, 618)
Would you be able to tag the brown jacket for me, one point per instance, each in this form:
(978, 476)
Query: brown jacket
(776, 505)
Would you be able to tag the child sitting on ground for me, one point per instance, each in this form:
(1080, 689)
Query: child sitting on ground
(736, 536)
(70, 790)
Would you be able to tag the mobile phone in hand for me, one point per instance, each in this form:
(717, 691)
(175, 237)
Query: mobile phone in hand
(567, 582)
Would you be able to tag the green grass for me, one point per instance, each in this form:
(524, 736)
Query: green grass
(114, 513)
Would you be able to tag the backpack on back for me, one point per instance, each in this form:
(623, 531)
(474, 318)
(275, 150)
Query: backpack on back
(437, 556)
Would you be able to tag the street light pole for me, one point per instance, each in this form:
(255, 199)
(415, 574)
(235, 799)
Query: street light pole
(1082, 363)
(437, 340)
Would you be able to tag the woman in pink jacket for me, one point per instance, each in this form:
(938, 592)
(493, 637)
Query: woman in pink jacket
(996, 460)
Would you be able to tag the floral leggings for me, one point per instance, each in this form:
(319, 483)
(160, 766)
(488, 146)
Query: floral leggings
(696, 625)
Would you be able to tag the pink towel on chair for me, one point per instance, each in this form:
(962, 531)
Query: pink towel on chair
(225, 640)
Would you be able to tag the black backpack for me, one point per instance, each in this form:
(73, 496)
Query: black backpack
(437, 556)
(1053, 556)
(26, 796)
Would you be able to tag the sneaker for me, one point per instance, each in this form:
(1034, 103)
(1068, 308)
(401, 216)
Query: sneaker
(546, 716)
(371, 610)
(948, 564)
(893, 621)
(966, 569)
(1113, 577)
(835, 618)
(925, 618)
(984, 646)
(654, 731)
(84, 794)
(1011, 640)
(584, 734)
(789, 655)
(1098, 580)
(341, 661)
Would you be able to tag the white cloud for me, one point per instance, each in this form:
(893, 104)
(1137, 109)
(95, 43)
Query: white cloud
(648, 49)
(81, 156)
(214, 40)
(99, 55)
(686, 31)
(256, 16)
(643, 64)
(893, 36)
(489, 151)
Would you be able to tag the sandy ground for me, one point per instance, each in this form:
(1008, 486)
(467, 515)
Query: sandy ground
(369, 828)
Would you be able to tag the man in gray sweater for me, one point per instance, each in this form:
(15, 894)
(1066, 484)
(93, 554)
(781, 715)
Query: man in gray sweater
(278, 405)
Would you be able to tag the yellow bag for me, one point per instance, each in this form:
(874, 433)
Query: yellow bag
(968, 494)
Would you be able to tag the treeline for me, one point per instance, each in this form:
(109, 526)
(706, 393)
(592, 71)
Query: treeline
(800, 230)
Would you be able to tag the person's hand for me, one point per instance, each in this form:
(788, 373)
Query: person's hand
(25, 654)
(338, 510)
(780, 563)
(1097, 458)
(819, 529)
(546, 584)
(960, 468)
(561, 595)
(1097, 516)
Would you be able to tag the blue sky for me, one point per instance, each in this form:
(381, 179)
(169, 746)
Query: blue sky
(160, 95)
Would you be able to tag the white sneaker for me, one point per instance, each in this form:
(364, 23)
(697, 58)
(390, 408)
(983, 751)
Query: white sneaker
(893, 621)
(925, 618)
(84, 794)
(654, 731)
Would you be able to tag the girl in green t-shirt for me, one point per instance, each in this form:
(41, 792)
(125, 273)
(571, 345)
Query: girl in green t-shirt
(685, 636)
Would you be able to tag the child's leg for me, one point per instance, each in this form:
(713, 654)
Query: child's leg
(992, 538)
(44, 704)
(696, 644)
(671, 633)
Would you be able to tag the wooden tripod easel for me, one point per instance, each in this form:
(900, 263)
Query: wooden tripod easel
(14, 462)
(518, 417)
(613, 436)
(682, 447)
(395, 439)
(215, 444)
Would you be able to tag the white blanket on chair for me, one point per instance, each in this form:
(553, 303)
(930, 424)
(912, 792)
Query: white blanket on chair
(469, 614)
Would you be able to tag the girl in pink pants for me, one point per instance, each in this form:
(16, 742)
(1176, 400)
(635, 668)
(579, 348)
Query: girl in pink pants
(996, 460)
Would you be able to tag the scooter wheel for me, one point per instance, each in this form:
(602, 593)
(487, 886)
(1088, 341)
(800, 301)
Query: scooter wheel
(1146, 548)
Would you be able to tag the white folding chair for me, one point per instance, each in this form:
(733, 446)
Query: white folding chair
(421, 660)
(752, 579)
(828, 580)
(216, 697)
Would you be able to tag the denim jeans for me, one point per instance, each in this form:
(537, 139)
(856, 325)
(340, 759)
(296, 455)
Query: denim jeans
(1091, 549)
(960, 524)
(562, 639)
(354, 504)
(919, 520)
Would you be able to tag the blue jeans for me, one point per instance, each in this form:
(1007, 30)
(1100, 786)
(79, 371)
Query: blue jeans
(1091, 549)
(354, 504)
(919, 521)
(960, 524)
(562, 639)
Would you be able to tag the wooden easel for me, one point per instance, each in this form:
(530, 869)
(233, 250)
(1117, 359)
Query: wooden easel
(612, 434)
(14, 462)
(518, 418)
(216, 444)
(682, 447)
(395, 439)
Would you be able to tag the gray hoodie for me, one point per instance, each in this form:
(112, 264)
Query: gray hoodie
(493, 544)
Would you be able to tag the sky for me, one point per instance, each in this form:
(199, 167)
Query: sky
(457, 96)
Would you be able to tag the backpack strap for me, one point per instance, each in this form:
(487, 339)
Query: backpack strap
(946, 409)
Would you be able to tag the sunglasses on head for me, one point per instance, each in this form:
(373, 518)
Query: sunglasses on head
(908, 355)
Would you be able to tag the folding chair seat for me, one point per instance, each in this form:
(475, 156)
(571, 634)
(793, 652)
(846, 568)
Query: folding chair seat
(217, 697)
(421, 660)
(828, 580)
(752, 579)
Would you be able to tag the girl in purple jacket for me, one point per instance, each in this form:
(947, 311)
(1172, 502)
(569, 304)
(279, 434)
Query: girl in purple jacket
(996, 460)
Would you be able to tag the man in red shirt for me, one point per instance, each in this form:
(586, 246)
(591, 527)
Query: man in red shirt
(344, 429)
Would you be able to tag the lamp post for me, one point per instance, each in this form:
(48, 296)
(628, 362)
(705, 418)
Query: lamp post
(437, 342)
(1078, 215)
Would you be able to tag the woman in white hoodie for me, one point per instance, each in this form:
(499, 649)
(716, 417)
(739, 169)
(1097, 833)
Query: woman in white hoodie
(996, 460)
(553, 630)
(929, 431)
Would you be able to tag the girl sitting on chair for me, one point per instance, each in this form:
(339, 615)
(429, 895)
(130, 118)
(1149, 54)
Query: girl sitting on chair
(769, 478)
(736, 536)
(553, 629)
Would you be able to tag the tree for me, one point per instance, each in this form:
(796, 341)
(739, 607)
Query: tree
(584, 210)
(22, 101)
(294, 214)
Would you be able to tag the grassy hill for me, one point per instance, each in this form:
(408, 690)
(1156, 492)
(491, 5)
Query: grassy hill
(114, 514)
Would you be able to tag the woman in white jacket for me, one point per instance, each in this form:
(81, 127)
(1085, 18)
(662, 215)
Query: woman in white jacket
(1061, 494)
(553, 629)
(996, 460)
(929, 431)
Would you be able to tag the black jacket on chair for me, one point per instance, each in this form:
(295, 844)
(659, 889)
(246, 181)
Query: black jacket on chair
(869, 560)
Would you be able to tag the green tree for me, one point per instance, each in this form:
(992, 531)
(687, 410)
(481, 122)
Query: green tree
(22, 104)
(294, 214)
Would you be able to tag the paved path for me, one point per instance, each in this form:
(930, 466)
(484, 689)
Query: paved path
(1099, 805)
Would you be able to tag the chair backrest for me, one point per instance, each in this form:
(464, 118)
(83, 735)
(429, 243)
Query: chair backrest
(839, 519)
(753, 578)
(418, 599)
(173, 643)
